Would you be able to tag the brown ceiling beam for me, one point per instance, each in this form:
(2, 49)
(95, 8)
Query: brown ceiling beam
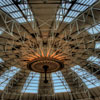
(52, 24)
(36, 20)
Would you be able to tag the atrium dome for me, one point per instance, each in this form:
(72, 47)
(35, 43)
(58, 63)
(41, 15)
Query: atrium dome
(49, 49)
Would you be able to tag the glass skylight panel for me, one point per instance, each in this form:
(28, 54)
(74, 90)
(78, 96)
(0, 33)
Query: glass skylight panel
(59, 18)
(25, 6)
(1, 30)
(21, 20)
(27, 12)
(87, 2)
(73, 14)
(59, 83)
(58, 12)
(79, 7)
(30, 18)
(32, 83)
(16, 15)
(94, 30)
(76, 9)
(1, 60)
(7, 76)
(5, 2)
(97, 45)
(67, 5)
(10, 8)
(68, 19)
(14, 12)
(25, 9)
(62, 11)
(90, 80)
(94, 59)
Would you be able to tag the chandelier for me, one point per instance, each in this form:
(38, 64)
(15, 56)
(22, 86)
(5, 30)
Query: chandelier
(45, 62)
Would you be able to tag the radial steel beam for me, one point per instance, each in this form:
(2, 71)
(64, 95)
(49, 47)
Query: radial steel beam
(73, 2)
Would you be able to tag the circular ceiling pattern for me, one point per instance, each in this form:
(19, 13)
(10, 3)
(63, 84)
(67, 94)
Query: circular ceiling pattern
(38, 64)
(55, 40)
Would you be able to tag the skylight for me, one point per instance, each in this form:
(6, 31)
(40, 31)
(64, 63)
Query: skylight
(14, 12)
(90, 80)
(59, 82)
(7, 76)
(94, 59)
(73, 14)
(94, 30)
(32, 83)
(1, 30)
(68, 19)
(86, 2)
(79, 7)
(1, 60)
(66, 5)
(97, 45)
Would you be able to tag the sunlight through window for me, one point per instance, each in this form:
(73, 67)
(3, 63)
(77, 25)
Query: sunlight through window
(14, 12)
(94, 30)
(77, 8)
(97, 45)
(94, 59)
(1, 30)
(32, 83)
(7, 76)
(59, 83)
(1, 60)
(90, 80)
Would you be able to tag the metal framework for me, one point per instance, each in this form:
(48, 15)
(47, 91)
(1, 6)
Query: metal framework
(72, 38)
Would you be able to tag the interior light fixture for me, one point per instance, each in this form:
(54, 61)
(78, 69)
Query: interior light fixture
(45, 63)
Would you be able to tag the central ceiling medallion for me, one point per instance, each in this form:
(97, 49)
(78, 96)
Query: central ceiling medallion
(38, 64)
(46, 63)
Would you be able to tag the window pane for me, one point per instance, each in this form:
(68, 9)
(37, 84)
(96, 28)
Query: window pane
(94, 30)
(90, 80)
(97, 45)
(7, 76)
(79, 7)
(59, 82)
(32, 83)
(1, 60)
(94, 59)
(14, 12)
(1, 30)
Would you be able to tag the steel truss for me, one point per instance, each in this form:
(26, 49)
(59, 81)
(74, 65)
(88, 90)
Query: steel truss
(74, 33)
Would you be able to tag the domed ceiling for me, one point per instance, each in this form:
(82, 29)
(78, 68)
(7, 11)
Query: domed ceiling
(50, 49)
